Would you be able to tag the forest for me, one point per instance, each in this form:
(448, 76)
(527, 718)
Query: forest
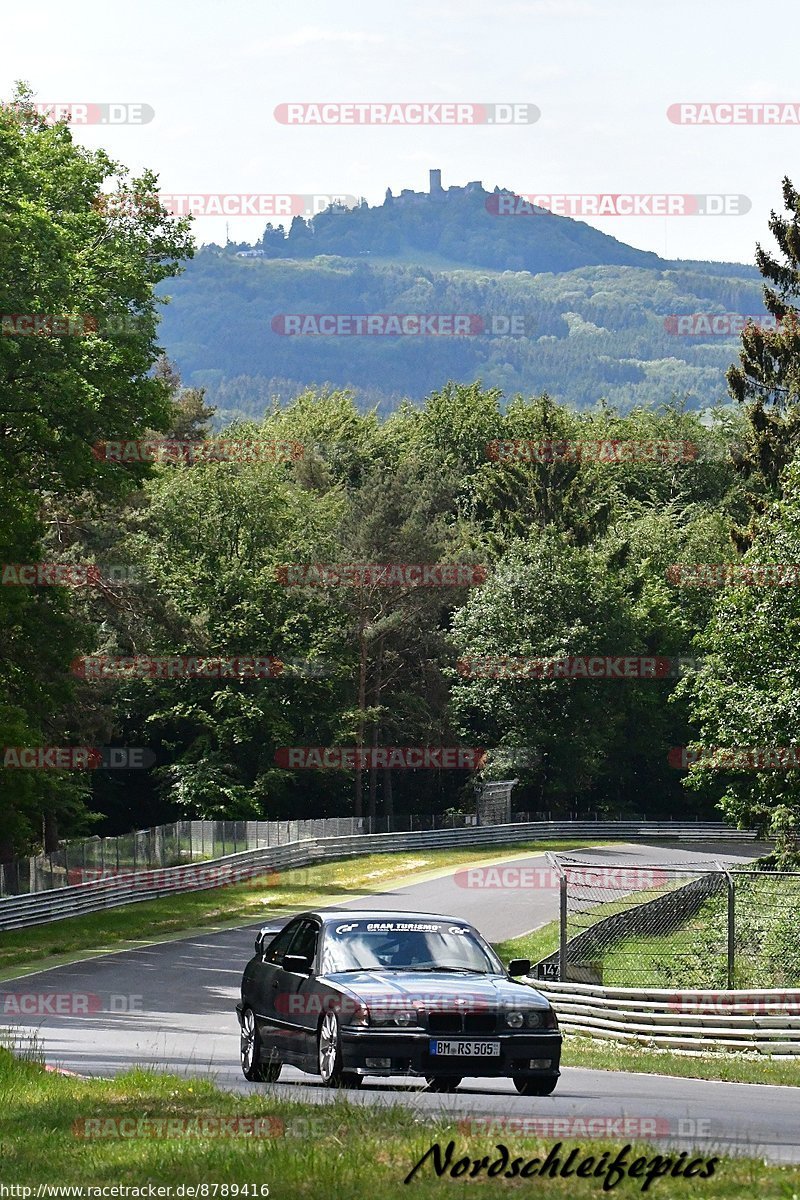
(327, 575)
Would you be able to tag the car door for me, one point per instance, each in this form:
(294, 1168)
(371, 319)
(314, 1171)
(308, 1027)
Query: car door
(263, 986)
(297, 1000)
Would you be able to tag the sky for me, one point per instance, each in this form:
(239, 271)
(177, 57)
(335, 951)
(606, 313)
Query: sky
(602, 73)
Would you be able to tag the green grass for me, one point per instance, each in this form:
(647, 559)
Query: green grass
(536, 944)
(338, 1151)
(541, 942)
(252, 901)
(602, 1055)
(695, 955)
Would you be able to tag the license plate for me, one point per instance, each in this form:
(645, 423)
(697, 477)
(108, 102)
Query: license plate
(465, 1049)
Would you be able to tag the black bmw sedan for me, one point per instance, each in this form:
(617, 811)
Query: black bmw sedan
(348, 994)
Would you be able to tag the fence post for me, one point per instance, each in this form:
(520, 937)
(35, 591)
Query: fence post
(562, 930)
(562, 916)
(731, 937)
(731, 931)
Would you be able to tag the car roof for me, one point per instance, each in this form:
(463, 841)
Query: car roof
(328, 916)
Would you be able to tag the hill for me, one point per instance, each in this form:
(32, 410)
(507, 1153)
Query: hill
(549, 303)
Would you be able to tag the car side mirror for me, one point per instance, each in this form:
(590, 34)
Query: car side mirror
(260, 946)
(298, 964)
(519, 966)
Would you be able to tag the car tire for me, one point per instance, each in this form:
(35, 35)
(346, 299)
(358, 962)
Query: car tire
(329, 1056)
(441, 1083)
(535, 1087)
(253, 1069)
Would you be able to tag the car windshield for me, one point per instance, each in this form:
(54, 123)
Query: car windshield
(403, 945)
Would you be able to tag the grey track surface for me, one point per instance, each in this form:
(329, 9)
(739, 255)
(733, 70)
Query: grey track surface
(170, 1007)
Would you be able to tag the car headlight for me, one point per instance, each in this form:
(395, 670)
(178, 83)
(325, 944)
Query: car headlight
(355, 1014)
(400, 1017)
(531, 1018)
(542, 1018)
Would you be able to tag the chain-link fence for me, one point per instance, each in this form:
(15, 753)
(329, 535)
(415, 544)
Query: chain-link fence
(700, 926)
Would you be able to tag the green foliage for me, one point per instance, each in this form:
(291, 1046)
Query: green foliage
(745, 695)
(583, 331)
(63, 255)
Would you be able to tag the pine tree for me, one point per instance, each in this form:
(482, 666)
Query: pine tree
(767, 381)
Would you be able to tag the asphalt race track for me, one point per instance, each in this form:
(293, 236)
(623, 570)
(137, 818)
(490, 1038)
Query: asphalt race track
(171, 1006)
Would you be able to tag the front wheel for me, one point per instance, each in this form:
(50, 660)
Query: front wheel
(441, 1083)
(535, 1087)
(253, 1068)
(330, 1060)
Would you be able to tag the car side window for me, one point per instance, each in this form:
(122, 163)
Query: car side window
(306, 941)
(280, 945)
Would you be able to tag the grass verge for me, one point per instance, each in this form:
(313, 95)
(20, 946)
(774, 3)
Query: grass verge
(255, 900)
(341, 1151)
(695, 955)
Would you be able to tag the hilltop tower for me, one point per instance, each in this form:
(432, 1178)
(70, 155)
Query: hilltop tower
(436, 183)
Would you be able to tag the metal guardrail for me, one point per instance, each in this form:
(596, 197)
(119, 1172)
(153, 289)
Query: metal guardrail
(38, 908)
(763, 1021)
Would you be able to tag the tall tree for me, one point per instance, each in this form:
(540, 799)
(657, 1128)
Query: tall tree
(767, 379)
(77, 290)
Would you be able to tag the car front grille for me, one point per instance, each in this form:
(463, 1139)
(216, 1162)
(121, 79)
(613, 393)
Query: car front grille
(457, 1022)
(479, 1022)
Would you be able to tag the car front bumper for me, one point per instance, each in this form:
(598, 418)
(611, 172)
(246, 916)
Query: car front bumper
(408, 1052)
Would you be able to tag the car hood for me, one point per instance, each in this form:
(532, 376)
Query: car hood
(436, 988)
